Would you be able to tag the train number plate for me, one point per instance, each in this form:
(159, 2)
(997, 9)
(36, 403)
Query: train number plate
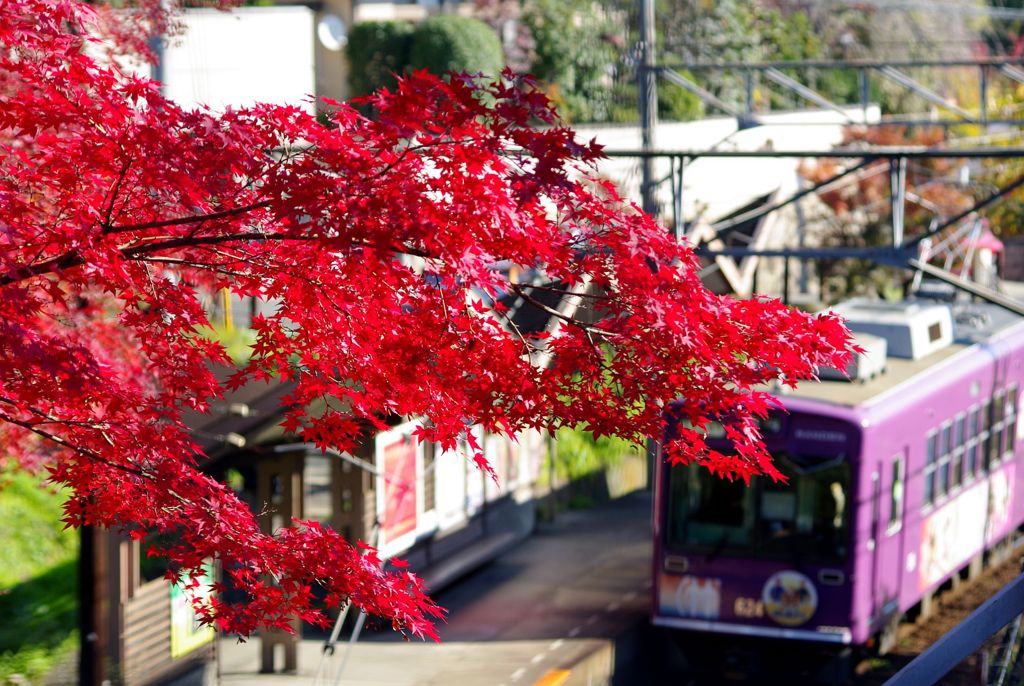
(748, 607)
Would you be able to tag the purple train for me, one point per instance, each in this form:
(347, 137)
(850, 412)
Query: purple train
(901, 480)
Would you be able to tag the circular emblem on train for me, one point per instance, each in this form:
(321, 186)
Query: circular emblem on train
(789, 598)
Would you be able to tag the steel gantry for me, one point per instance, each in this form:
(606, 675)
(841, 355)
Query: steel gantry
(684, 75)
(911, 253)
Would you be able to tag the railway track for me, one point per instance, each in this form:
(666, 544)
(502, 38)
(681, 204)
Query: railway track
(954, 606)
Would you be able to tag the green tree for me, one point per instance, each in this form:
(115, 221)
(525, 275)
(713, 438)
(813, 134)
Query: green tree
(575, 55)
(460, 44)
(377, 51)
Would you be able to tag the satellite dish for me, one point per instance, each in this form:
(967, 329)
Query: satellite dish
(331, 32)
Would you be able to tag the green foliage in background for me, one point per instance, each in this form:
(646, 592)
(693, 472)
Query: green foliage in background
(1002, 34)
(452, 43)
(572, 56)
(785, 37)
(578, 453)
(237, 341)
(1006, 216)
(674, 103)
(377, 51)
(38, 587)
(678, 104)
(584, 53)
(33, 535)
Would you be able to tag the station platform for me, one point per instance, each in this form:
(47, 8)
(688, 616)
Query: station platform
(561, 608)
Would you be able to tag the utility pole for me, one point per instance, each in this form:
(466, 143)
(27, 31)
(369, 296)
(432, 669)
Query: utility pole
(92, 610)
(648, 93)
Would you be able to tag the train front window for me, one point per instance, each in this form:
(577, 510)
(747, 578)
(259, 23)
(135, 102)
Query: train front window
(806, 518)
(709, 511)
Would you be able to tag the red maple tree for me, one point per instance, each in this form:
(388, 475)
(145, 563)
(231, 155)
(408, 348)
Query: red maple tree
(378, 238)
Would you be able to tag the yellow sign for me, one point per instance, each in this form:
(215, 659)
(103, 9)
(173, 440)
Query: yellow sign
(187, 633)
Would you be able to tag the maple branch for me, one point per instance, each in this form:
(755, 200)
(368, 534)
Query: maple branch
(66, 261)
(391, 165)
(530, 348)
(73, 258)
(550, 289)
(34, 428)
(194, 242)
(117, 189)
(401, 249)
(193, 264)
(179, 221)
(518, 290)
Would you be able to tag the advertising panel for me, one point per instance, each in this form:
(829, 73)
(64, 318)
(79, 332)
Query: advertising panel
(1000, 503)
(690, 596)
(951, 534)
(450, 485)
(187, 633)
(400, 466)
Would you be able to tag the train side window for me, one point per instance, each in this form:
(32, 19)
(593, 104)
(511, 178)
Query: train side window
(876, 504)
(1010, 434)
(931, 458)
(945, 455)
(972, 451)
(998, 415)
(896, 495)
(986, 443)
(957, 463)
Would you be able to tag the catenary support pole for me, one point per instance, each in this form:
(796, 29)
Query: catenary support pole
(648, 93)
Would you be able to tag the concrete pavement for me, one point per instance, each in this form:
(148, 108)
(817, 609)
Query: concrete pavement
(559, 609)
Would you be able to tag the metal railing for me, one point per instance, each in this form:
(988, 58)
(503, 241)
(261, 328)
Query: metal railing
(1002, 610)
(786, 75)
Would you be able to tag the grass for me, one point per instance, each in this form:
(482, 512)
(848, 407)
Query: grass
(38, 585)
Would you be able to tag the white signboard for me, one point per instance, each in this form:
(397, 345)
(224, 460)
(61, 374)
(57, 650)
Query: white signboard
(242, 57)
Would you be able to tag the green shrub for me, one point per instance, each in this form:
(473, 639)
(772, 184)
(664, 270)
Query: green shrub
(237, 340)
(578, 453)
(461, 44)
(674, 104)
(572, 57)
(377, 51)
(38, 592)
(40, 620)
(34, 538)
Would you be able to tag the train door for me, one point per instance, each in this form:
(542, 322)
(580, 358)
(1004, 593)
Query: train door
(888, 502)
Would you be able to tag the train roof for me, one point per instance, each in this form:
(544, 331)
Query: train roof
(973, 325)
